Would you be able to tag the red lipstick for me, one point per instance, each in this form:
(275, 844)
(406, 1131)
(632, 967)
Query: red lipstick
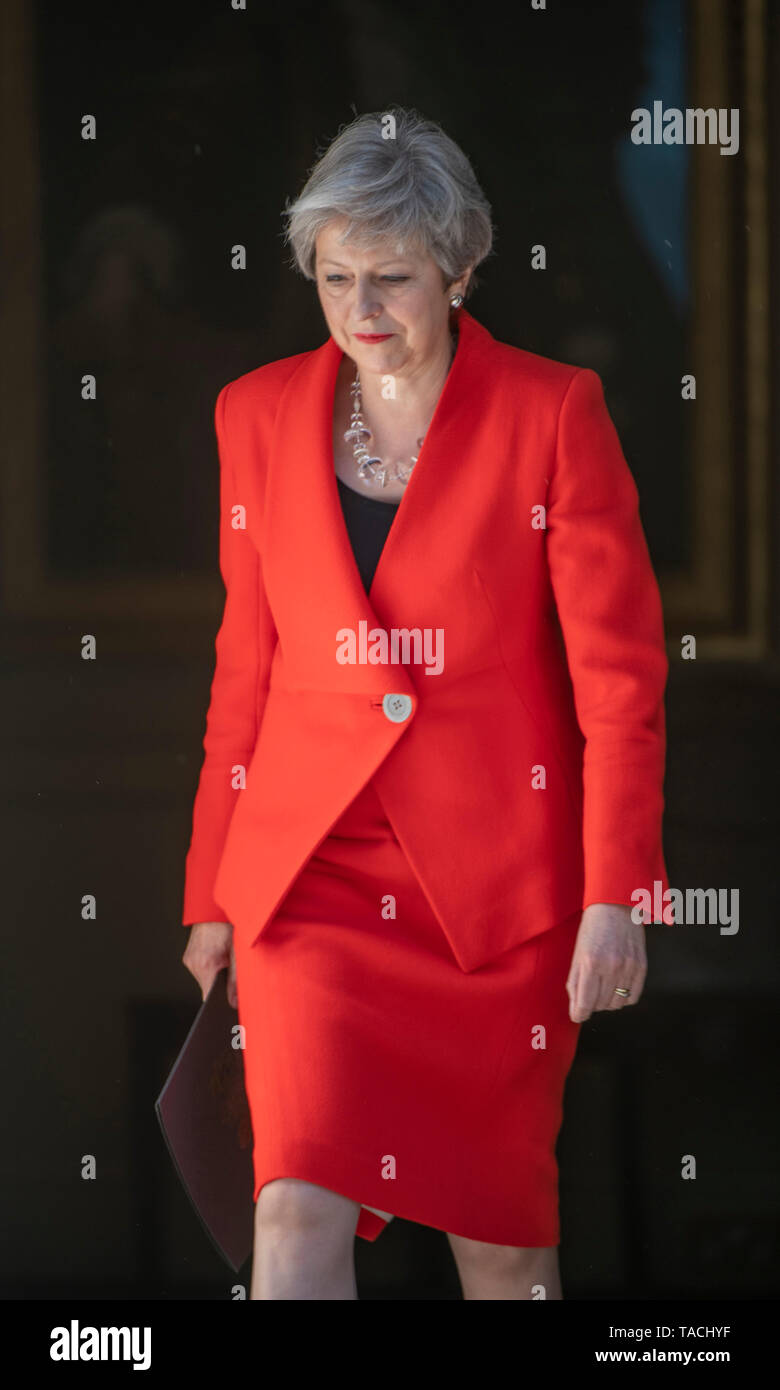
(372, 337)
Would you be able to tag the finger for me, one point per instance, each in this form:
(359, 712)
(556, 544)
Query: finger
(634, 983)
(630, 977)
(637, 986)
(608, 979)
(207, 977)
(573, 976)
(615, 973)
(232, 992)
(572, 988)
(196, 968)
(586, 993)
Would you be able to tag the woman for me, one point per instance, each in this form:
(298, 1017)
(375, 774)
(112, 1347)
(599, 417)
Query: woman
(434, 759)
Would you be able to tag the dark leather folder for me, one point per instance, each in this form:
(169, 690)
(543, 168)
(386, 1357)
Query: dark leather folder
(204, 1116)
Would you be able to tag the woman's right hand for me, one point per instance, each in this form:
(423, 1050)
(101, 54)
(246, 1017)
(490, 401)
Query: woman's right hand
(209, 950)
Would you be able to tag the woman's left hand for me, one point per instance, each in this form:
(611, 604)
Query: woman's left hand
(609, 953)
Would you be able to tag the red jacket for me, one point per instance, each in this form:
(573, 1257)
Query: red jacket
(525, 780)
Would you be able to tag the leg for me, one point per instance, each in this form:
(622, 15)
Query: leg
(304, 1242)
(506, 1271)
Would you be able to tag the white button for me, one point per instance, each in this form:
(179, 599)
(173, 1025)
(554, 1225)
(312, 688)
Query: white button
(397, 707)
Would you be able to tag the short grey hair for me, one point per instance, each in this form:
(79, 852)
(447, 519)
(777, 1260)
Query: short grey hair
(417, 188)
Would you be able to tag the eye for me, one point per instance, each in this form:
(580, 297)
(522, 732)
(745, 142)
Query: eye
(335, 278)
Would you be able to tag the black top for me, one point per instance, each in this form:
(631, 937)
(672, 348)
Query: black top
(368, 520)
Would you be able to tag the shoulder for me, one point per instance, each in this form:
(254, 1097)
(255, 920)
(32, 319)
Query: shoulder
(546, 381)
(565, 400)
(257, 392)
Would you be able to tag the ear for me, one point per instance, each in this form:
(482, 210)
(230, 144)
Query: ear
(460, 285)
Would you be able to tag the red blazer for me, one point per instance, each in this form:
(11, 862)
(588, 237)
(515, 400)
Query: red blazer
(525, 780)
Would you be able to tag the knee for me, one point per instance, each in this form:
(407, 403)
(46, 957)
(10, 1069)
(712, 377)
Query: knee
(480, 1259)
(290, 1206)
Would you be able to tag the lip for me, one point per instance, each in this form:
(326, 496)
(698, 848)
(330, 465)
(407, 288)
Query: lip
(372, 337)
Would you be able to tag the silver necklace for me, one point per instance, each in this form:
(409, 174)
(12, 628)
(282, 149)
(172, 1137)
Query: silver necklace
(371, 468)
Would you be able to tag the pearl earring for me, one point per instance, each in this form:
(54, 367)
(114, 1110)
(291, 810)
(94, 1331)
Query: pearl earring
(456, 301)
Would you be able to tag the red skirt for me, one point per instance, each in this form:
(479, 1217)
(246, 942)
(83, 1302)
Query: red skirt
(376, 1068)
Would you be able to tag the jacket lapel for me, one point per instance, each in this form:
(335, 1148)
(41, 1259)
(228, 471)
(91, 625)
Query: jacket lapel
(430, 493)
(308, 560)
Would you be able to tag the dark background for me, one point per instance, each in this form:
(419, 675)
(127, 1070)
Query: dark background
(208, 119)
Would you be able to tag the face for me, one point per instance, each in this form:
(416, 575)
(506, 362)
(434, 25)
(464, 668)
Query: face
(377, 291)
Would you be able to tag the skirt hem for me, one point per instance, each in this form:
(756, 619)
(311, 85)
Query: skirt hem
(411, 1201)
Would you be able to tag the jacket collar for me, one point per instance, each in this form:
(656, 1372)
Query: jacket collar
(303, 504)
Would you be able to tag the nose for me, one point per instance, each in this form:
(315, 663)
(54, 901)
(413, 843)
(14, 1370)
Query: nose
(367, 305)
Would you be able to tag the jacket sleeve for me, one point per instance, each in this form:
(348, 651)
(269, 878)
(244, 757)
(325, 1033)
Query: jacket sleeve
(609, 608)
(244, 647)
